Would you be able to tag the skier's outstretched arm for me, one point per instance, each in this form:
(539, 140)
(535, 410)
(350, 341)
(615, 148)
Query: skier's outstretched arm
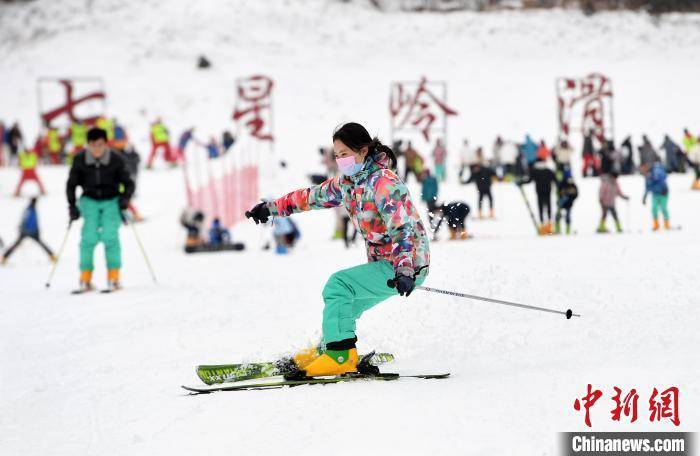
(327, 194)
(396, 208)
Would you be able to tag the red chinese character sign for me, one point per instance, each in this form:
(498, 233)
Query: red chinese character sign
(419, 108)
(254, 107)
(591, 99)
(64, 101)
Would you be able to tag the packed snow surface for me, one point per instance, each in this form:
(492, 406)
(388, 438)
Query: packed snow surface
(101, 374)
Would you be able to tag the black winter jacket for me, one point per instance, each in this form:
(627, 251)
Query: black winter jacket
(99, 180)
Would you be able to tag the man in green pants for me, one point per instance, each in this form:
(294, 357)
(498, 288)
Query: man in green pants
(101, 173)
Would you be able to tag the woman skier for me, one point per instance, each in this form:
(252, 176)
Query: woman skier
(396, 241)
(609, 191)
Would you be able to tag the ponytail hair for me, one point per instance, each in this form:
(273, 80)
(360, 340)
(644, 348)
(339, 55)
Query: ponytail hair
(355, 136)
(376, 148)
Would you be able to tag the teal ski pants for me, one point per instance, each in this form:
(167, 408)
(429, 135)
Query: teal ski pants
(659, 202)
(101, 221)
(350, 292)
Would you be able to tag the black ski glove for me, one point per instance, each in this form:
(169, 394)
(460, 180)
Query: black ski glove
(123, 204)
(73, 212)
(404, 284)
(259, 213)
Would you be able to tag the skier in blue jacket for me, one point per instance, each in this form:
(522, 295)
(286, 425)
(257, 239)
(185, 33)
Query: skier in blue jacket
(529, 150)
(655, 175)
(28, 228)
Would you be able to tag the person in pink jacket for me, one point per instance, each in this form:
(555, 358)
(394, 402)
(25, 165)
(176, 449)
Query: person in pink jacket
(609, 191)
(382, 210)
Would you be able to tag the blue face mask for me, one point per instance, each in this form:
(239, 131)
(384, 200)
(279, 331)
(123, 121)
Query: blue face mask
(348, 166)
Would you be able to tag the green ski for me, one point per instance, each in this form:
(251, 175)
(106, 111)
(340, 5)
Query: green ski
(229, 373)
(307, 381)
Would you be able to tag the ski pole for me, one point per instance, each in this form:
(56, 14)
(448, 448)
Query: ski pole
(143, 251)
(529, 208)
(60, 253)
(569, 313)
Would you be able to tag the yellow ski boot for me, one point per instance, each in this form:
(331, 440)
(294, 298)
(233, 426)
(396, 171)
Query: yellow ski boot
(655, 225)
(305, 357)
(333, 362)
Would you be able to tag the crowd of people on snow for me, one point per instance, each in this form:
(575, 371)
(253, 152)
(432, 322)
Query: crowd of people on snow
(549, 168)
(56, 146)
(61, 146)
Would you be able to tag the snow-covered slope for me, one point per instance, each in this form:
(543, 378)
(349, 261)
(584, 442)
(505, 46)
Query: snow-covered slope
(101, 374)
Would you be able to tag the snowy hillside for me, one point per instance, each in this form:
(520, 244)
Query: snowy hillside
(101, 374)
(333, 62)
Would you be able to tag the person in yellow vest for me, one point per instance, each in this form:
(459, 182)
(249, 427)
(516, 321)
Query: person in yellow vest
(28, 161)
(691, 144)
(103, 123)
(54, 145)
(78, 137)
(160, 139)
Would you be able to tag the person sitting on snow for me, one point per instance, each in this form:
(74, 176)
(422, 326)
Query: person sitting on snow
(455, 215)
(286, 234)
(192, 220)
(218, 235)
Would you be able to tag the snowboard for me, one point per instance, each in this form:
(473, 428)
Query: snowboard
(236, 246)
(193, 390)
(229, 373)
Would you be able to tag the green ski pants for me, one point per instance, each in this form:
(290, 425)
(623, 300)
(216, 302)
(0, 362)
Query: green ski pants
(350, 292)
(659, 202)
(101, 221)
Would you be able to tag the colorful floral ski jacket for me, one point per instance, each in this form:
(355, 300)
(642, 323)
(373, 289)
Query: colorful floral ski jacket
(379, 205)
